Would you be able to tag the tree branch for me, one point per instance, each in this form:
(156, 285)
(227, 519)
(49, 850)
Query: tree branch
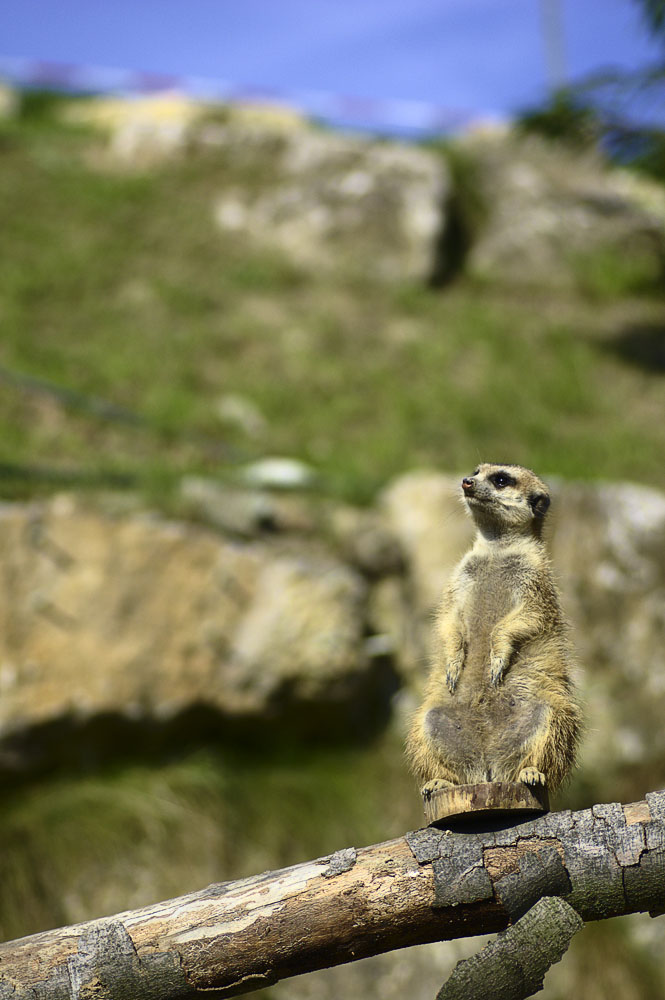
(517, 961)
(427, 886)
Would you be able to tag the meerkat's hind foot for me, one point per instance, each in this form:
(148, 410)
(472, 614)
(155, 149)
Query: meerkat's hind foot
(435, 785)
(531, 776)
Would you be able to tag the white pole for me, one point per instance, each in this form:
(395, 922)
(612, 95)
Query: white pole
(554, 42)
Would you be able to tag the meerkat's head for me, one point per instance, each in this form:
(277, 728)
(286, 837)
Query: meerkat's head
(506, 500)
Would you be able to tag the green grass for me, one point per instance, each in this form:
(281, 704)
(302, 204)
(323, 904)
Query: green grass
(119, 286)
(77, 846)
(610, 273)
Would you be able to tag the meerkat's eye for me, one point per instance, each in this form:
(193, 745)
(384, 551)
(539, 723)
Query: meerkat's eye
(502, 479)
(475, 471)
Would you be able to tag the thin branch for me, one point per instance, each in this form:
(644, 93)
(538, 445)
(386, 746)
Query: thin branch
(518, 960)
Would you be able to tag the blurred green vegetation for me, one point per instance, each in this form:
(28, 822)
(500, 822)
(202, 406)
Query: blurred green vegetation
(591, 114)
(565, 117)
(142, 831)
(126, 314)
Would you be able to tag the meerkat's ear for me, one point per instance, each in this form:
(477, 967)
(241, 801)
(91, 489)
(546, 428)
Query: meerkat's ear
(540, 503)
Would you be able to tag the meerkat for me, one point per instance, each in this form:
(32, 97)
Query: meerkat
(499, 703)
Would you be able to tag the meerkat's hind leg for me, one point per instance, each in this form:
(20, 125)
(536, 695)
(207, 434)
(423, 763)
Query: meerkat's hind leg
(531, 776)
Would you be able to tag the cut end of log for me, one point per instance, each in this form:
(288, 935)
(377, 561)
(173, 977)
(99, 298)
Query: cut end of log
(489, 799)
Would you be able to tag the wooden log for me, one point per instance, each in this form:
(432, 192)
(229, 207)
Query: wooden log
(426, 886)
(489, 799)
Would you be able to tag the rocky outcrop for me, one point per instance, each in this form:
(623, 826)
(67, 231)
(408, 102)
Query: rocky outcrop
(8, 101)
(144, 131)
(337, 202)
(424, 511)
(609, 548)
(327, 202)
(542, 214)
(551, 215)
(143, 618)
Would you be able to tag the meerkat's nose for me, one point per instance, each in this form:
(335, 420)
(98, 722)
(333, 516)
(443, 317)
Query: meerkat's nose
(467, 484)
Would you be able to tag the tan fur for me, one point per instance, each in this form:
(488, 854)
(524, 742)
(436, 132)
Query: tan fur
(499, 703)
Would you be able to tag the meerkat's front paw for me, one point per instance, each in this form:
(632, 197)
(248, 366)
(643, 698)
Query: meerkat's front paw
(497, 668)
(435, 785)
(531, 776)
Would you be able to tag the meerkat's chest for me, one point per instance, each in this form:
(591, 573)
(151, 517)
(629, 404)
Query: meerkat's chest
(489, 589)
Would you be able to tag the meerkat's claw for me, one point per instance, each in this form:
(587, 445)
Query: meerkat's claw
(453, 670)
(435, 785)
(497, 667)
(531, 776)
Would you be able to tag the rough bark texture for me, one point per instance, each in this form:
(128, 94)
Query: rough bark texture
(516, 963)
(429, 885)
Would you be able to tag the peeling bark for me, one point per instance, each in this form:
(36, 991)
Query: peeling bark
(517, 961)
(430, 885)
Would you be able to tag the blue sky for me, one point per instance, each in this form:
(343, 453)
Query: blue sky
(481, 57)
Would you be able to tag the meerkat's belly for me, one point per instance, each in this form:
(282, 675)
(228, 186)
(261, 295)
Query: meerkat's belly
(488, 602)
(482, 737)
(482, 728)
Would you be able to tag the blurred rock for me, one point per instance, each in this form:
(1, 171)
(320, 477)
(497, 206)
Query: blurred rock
(142, 130)
(8, 101)
(144, 618)
(300, 634)
(247, 512)
(327, 201)
(243, 413)
(608, 548)
(550, 211)
(237, 511)
(146, 130)
(365, 540)
(334, 203)
(278, 473)
(425, 513)
(339, 202)
(396, 627)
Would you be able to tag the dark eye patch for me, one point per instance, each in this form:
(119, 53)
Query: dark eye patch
(502, 479)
